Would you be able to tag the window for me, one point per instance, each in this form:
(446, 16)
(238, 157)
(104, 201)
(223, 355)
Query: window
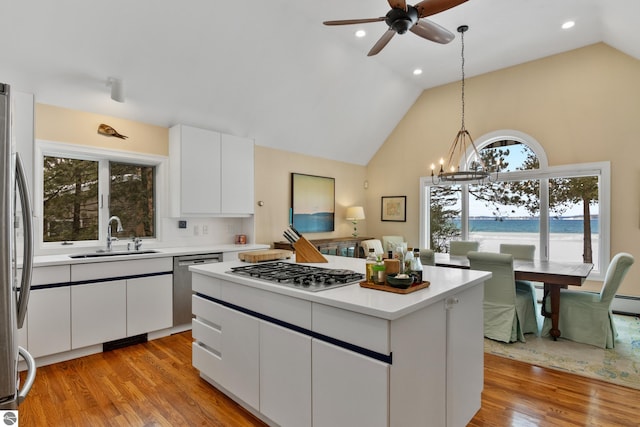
(132, 198)
(82, 187)
(70, 199)
(562, 210)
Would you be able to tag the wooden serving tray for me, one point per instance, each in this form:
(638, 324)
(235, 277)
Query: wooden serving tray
(389, 288)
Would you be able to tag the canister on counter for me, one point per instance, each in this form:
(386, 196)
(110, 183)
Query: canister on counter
(392, 266)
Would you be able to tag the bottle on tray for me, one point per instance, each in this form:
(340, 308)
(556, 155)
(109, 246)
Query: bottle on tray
(379, 274)
(370, 262)
(416, 267)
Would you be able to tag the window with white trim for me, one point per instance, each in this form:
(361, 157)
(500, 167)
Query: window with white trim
(79, 188)
(562, 210)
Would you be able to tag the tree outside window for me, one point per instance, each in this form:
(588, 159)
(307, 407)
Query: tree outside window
(70, 199)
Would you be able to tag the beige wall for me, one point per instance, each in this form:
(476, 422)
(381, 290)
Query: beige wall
(273, 187)
(581, 106)
(78, 127)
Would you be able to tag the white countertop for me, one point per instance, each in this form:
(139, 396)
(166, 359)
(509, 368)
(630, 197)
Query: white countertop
(61, 259)
(445, 282)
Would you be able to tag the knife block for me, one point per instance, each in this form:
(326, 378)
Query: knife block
(306, 252)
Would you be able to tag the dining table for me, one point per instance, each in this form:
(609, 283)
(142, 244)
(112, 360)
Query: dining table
(555, 275)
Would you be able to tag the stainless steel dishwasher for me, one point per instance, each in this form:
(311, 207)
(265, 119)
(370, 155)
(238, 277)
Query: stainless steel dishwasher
(182, 284)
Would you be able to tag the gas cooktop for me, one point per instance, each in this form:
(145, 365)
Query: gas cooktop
(299, 276)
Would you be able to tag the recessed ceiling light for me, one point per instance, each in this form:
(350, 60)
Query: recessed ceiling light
(361, 33)
(568, 25)
(417, 71)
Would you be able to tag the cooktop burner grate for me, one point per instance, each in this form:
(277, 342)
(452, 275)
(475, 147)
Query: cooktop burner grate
(299, 276)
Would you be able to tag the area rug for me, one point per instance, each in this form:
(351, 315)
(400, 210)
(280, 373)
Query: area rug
(619, 365)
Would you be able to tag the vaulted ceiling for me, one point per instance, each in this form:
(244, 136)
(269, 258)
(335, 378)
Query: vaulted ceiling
(270, 70)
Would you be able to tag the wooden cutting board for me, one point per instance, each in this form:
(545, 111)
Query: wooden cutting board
(265, 255)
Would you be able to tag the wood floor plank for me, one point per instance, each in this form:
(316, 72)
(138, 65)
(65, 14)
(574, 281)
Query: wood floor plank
(154, 384)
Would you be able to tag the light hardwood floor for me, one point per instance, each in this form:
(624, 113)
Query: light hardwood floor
(154, 384)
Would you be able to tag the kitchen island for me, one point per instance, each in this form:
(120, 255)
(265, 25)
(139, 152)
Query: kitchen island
(344, 356)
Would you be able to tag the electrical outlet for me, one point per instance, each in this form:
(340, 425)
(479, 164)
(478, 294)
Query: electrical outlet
(196, 230)
(205, 229)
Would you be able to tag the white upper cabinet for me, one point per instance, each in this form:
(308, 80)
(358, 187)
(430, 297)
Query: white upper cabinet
(211, 173)
(237, 175)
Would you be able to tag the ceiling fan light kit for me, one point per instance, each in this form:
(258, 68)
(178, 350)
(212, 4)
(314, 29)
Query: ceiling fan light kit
(402, 18)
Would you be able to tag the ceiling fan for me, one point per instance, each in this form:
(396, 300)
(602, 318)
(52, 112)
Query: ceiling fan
(402, 18)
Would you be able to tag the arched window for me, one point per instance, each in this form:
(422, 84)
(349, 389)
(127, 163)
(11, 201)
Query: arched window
(562, 210)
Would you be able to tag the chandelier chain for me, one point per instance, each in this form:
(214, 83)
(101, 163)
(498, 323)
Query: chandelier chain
(462, 82)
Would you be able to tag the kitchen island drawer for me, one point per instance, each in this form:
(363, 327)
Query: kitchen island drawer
(206, 361)
(282, 307)
(210, 311)
(207, 334)
(359, 329)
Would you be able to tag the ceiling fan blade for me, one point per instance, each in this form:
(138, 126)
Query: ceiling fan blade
(431, 7)
(382, 42)
(431, 31)
(398, 4)
(354, 21)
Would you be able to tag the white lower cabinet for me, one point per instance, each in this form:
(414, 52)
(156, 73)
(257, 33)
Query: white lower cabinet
(465, 355)
(149, 304)
(285, 375)
(227, 348)
(49, 321)
(240, 356)
(98, 313)
(349, 389)
(48, 324)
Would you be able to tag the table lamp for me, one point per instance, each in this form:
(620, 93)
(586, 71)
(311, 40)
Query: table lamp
(355, 214)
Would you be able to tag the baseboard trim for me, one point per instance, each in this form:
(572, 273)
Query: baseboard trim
(626, 304)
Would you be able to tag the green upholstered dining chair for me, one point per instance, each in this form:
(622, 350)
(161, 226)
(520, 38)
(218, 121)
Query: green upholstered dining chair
(509, 312)
(461, 247)
(586, 316)
(372, 243)
(526, 252)
(427, 257)
(390, 243)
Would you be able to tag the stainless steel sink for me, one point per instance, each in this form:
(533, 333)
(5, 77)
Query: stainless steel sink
(100, 254)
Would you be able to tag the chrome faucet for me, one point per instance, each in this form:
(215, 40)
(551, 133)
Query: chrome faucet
(118, 230)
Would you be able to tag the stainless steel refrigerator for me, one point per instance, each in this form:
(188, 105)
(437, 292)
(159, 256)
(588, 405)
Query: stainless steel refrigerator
(14, 291)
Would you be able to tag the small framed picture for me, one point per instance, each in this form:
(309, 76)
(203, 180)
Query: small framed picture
(394, 208)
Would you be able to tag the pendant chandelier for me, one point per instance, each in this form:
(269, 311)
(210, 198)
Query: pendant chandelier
(450, 172)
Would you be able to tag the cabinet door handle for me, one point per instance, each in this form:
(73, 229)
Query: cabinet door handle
(450, 302)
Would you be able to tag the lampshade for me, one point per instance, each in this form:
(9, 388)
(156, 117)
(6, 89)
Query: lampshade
(117, 90)
(355, 213)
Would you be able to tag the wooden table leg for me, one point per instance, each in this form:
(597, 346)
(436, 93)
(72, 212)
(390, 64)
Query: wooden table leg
(552, 291)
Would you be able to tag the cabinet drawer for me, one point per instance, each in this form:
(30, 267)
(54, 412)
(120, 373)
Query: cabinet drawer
(282, 307)
(207, 310)
(206, 285)
(359, 329)
(207, 362)
(101, 270)
(50, 275)
(208, 335)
